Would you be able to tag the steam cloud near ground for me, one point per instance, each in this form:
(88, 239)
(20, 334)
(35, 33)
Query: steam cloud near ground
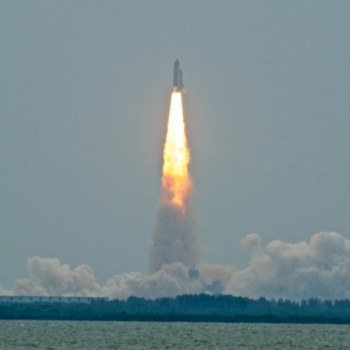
(317, 268)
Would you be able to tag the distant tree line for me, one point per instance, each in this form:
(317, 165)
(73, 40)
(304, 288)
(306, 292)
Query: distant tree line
(193, 308)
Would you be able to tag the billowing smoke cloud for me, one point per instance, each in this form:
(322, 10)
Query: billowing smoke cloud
(51, 277)
(319, 268)
(219, 275)
(170, 280)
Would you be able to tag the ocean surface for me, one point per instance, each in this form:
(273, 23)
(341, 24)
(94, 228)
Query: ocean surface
(151, 335)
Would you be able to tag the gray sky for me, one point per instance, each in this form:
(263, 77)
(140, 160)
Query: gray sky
(84, 94)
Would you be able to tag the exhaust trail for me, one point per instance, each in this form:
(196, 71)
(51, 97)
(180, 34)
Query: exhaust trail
(173, 238)
(176, 182)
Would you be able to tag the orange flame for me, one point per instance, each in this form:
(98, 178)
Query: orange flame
(176, 181)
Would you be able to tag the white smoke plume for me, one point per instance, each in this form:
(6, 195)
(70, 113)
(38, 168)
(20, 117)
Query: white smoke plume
(50, 277)
(173, 238)
(318, 268)
(221, 274)
(170, 280)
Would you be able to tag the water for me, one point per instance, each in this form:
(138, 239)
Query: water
(50, 335)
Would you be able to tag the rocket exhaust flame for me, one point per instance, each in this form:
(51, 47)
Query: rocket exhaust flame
(176, 182)
(173, 238)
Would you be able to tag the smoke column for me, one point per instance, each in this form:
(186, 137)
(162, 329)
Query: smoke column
(173, 237)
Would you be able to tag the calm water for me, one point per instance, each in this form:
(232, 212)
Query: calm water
(143, 335)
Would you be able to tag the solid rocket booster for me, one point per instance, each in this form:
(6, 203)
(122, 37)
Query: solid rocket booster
(177, 85)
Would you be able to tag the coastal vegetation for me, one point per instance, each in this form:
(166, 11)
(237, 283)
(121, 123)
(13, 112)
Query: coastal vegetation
(192, 308)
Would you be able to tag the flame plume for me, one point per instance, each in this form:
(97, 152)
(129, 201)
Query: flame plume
(176, 182)
(173, 238)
